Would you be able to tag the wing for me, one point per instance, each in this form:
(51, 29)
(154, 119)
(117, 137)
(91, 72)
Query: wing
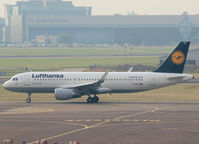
(130, 69)
(88, 88)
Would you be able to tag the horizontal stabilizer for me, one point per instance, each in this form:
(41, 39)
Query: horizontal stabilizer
(176, 78)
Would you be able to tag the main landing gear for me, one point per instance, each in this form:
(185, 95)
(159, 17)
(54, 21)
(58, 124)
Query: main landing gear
(94, 99)
(28, 100)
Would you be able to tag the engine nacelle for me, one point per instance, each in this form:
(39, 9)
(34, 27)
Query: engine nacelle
(65, 94)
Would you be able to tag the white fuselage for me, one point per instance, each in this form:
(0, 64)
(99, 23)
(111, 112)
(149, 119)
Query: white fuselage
(117, 82)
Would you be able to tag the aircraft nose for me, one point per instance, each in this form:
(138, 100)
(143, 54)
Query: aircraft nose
(5, 84)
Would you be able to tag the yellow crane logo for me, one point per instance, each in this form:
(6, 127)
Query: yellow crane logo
(178, 57)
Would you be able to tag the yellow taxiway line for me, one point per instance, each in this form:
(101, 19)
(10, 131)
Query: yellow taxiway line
(85, 127)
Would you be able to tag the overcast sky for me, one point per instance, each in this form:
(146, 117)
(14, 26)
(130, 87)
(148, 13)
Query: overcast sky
(140, 7)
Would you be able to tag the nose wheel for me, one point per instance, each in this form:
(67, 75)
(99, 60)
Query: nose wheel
(28, 100)
(94, 99)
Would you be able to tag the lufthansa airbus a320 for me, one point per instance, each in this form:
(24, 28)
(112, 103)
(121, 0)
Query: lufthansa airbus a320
(68, 85)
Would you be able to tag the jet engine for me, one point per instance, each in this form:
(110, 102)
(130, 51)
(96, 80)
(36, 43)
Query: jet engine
(65, 94)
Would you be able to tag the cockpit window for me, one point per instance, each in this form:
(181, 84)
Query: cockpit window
(15, 79)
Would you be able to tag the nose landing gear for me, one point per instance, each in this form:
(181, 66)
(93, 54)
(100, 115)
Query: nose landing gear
(28, 100)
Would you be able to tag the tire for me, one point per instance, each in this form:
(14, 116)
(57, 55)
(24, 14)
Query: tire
(95, 99)
(28, 100)
(89, 100)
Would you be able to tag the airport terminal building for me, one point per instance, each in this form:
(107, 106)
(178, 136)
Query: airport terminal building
(2, 25)
(35, 20)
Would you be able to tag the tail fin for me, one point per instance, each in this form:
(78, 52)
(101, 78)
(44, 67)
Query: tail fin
(175, 62)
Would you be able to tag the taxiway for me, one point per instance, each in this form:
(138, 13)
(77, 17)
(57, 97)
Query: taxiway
(102, 123)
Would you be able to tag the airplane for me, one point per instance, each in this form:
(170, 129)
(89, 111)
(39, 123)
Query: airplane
(69, 85)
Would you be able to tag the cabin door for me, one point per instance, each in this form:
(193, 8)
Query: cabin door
(27, 82)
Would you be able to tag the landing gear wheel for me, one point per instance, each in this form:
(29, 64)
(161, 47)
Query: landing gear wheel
(28, 100)
(95, 99)
(89, 100)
